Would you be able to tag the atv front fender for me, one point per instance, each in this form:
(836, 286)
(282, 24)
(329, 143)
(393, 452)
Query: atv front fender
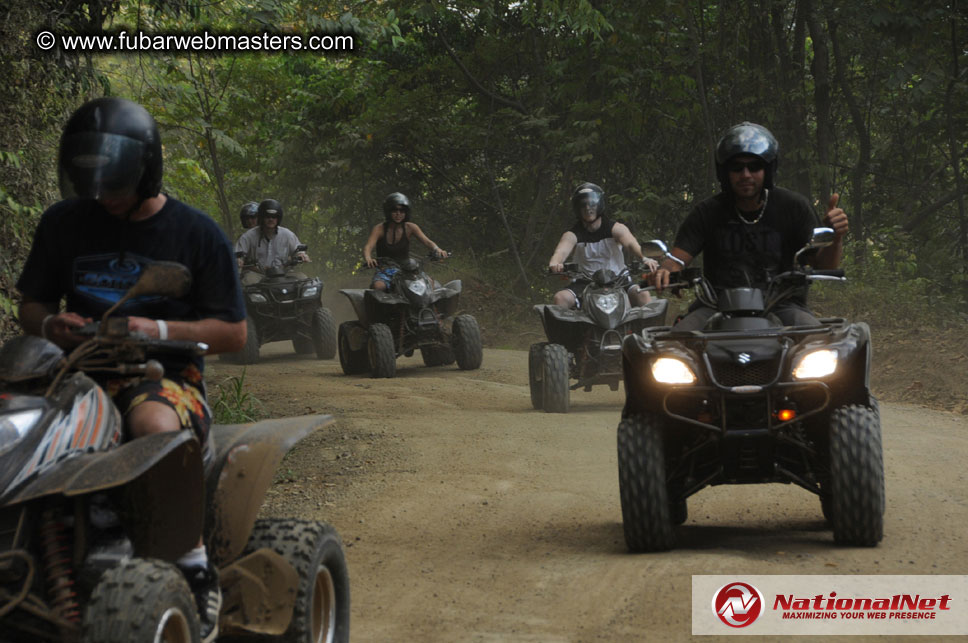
(446, 297)
(654, 312)
(259, 594)
(355, 295)
(246, 458)
(162, 476)
(450, 289)
(565, 326)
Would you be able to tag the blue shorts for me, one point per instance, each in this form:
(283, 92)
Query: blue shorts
(385, 275)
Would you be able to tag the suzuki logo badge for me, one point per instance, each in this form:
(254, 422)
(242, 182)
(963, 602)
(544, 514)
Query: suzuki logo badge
(743, 358)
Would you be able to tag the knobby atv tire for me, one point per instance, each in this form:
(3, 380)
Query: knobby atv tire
(136, 601)
(250, 352)
(314, 549)
(466, 343)
(856, 476)
(302, 345)
(323, 331)
(535, 375)
(352, 361)
(437, 355)
(381, 351)
(647, 518)
(554, 379)
(678, 512)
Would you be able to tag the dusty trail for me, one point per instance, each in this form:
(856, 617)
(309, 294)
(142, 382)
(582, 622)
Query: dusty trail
(471, 517)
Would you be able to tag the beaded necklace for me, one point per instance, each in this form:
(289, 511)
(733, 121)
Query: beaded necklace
(759, 215)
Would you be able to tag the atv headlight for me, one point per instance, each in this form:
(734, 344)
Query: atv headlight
(311, 290)
(815, 364)
(257, 298)
(14, 426)
(606, 303)
(669, 370)
(418, 287)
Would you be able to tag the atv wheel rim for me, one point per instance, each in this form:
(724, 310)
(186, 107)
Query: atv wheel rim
(324, 606)
(173, 627)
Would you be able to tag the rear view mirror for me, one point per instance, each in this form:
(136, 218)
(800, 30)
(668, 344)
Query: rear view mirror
(658, 250)
(165, 278)
(821, 238)
(655, 249)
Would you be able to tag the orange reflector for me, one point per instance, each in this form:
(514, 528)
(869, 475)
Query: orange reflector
(785, 415)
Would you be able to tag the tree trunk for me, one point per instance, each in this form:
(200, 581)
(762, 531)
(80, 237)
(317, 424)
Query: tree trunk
(696, 45)
(219, 173)
(794, 104)
(859, 173)
(819, 68)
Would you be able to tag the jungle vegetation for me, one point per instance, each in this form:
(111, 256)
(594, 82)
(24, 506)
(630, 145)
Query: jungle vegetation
(487, 114)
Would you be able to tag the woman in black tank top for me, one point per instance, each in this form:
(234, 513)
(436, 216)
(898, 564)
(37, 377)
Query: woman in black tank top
(391, 239)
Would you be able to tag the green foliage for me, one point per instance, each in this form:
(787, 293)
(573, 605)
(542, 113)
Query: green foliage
(232, 404)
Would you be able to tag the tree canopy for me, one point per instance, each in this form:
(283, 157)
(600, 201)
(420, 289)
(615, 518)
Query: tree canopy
(488, 114)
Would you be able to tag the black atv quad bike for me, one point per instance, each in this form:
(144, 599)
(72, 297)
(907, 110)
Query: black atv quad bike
(283, 304)
(90, 525)
(409, 315)
(585, 344)
(748, 400)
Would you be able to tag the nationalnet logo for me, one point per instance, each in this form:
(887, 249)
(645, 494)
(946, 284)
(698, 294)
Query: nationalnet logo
(826, 605)
(737, 604)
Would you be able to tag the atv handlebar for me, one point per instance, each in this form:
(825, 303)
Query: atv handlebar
(387, 262)
(113, 336)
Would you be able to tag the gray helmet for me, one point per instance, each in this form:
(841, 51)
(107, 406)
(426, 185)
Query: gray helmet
(392, 202)
(110, 145)
(747, 138)
(249, 210)
(270, 207)
(585, 194)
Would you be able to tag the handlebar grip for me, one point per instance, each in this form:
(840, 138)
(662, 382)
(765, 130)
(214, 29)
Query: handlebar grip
(832, 272)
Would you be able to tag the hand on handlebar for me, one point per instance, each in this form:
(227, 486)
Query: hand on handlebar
(60, 328)
(556, 267)
(660, 279)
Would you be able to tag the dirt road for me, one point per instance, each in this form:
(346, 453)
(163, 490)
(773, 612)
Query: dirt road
(468, 516)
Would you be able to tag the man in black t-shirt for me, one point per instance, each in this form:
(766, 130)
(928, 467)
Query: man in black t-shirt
(751, 230)
(91, 247)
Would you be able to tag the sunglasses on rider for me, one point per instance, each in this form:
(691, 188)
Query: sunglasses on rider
(399, 209)
(752, 166)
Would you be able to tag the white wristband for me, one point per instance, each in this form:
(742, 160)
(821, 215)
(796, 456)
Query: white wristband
(43, 325)
(162, 329)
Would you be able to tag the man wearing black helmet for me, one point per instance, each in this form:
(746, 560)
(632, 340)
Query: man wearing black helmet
(391, 239)
(597, 242)
(268, 245)
(249, 215)
(751, 230)
(89, 248)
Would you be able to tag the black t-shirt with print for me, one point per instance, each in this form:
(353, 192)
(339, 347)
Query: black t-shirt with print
(76, 254)
(738, 254)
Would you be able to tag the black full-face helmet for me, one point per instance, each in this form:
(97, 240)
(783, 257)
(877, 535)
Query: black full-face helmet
(248, 212)
(394, 201)
(270, 207)
(588, 194)
(747, 138)
(110, 146)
